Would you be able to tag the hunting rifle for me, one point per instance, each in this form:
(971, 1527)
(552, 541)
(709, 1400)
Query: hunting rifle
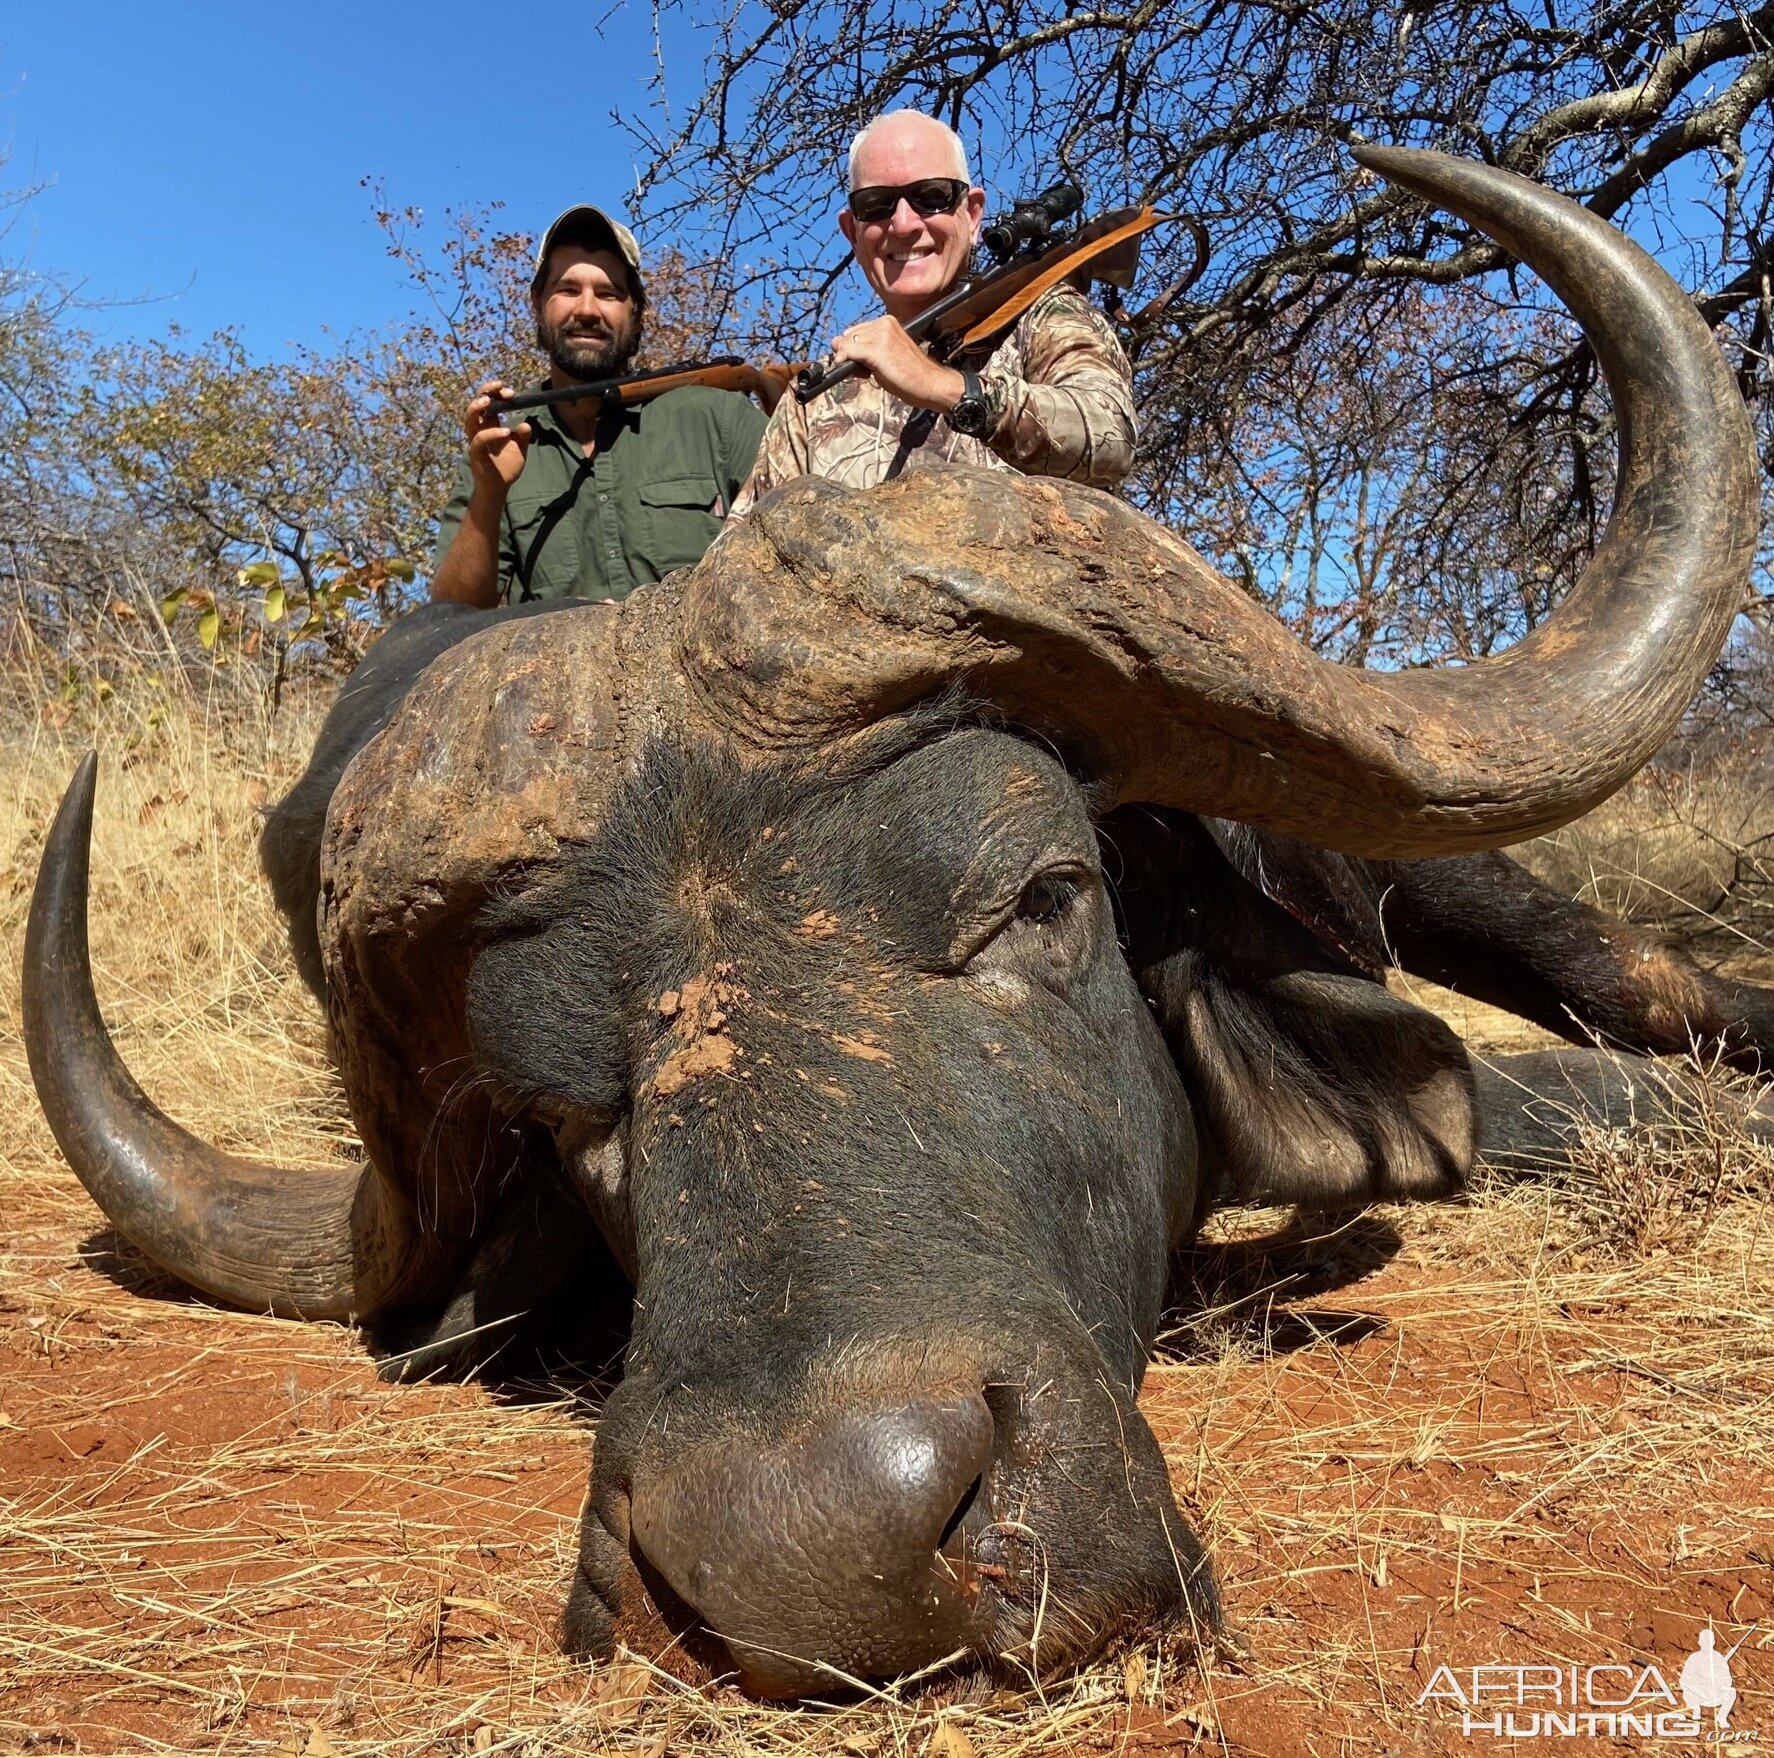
(1030, 255)
(725, 373)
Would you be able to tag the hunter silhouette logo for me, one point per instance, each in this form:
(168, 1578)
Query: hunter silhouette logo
(1609, 1700)
(1706, 1678)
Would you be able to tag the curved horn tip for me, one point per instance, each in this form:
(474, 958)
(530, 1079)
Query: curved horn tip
(1447, 181)
(1376, 157)
(1413, 168)
(62, 872)
(319, 1244)
(82, 788)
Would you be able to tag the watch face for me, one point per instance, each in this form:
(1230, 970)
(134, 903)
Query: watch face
(969, 416)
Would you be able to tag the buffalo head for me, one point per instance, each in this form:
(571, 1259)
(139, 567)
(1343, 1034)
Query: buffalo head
(772, 903)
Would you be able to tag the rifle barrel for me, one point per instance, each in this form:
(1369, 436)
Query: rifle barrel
(609, 387)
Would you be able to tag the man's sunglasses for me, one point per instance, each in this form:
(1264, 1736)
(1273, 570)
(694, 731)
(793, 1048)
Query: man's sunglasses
(927, 197)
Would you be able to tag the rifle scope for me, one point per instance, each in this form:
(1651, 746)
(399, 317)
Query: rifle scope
(1031, 220)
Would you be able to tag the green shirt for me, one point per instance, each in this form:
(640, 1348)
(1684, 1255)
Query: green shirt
(649, 499)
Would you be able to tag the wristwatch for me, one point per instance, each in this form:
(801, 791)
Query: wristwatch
(974, 414)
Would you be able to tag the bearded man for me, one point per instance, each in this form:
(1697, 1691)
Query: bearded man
(1055, 398)
(586, 499)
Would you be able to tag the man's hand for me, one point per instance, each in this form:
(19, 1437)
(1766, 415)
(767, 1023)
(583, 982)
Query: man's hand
(496, 455)
(469, 574)
(898, 365)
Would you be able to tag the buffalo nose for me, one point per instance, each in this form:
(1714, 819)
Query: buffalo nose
(814, 1554)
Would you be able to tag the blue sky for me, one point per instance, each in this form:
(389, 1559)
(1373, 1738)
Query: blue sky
(204, 159)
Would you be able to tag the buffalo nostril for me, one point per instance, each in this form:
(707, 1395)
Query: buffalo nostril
(826, 1549)
(962, 1508)
(912, 1472)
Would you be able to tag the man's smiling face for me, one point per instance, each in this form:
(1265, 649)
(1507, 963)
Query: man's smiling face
(588, 321)
(911, 259)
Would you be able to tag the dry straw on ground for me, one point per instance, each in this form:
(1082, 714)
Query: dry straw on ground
(1536, 1426)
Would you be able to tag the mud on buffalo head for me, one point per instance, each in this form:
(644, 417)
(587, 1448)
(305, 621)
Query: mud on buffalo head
(766, 913)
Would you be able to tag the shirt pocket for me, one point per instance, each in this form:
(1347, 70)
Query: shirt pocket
(678, 521)
(541, 532)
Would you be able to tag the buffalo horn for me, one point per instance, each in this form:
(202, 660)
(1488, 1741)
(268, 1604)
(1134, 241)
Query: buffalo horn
(1086, 620)
(303, 1244)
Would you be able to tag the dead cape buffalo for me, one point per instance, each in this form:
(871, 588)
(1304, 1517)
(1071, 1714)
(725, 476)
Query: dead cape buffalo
(854, 940)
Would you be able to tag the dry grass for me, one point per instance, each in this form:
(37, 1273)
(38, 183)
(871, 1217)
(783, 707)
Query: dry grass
(1496, 1431)
(1687, 847)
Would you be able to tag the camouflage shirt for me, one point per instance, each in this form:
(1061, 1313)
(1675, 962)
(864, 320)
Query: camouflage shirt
(1060, 384)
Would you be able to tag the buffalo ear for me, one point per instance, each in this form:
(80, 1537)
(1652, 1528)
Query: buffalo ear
(1311, 1083)
(540, 1014)
(1321, 1088)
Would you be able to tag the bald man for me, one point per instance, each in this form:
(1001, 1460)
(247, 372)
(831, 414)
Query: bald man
(1055, 398)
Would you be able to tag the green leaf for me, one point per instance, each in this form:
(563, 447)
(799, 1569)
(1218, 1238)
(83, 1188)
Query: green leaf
(210, 627)
(403, 570)
(274, 605)
(105, 692)
(169, 605)
(259, 574)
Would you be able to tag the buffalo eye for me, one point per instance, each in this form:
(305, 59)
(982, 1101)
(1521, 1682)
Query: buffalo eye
(1046, 900)
(1048, 930)
(1045, 930)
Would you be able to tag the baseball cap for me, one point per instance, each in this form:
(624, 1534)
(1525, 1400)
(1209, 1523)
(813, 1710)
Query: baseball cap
(588, 223)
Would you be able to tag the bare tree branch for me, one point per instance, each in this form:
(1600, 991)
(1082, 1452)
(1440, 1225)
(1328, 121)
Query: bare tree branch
(1362, 409)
